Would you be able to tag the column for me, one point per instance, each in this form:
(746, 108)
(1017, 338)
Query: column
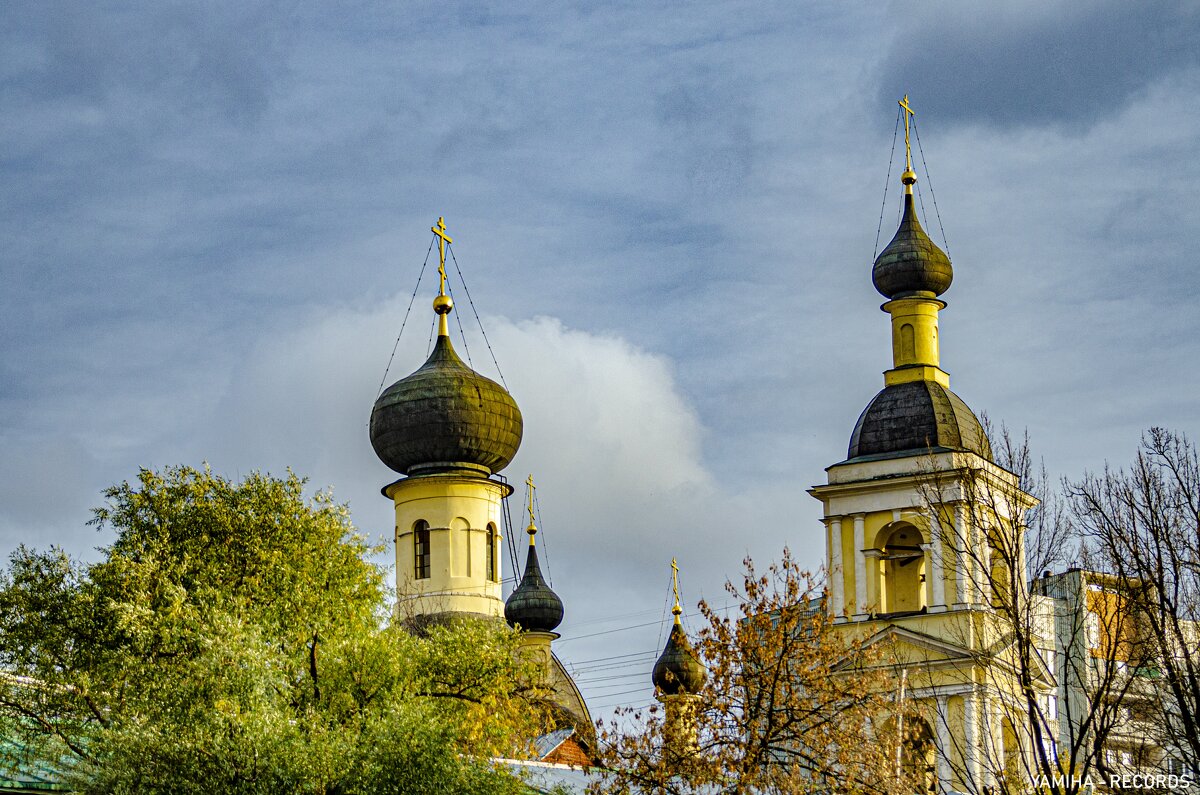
(1001, 763)
(927, 585)
(983, 572)
(942, 730)
(837, 574)
(987, 739)
(971, 740)
(937, 564)
(860, 566)
(962, 562)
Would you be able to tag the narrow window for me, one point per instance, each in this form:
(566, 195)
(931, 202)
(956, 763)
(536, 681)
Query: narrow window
(492, 573)
(421, 550)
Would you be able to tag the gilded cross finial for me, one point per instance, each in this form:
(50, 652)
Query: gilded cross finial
(676, 610)
(532, 529)
(439, 229)
(908, 177)
(443, 303)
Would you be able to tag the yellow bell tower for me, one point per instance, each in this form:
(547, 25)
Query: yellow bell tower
(907, 533)
(446, 429)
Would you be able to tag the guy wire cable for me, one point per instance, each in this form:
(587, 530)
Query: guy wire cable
(461, 333)
(932, 195)
(506, 521)
(486, 341)
(406, 313)
(886, 184)
(537, 509)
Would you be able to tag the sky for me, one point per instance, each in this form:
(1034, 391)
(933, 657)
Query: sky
(213, 218)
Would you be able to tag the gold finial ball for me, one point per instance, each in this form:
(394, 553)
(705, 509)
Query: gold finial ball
(908, 177)
(443, 304)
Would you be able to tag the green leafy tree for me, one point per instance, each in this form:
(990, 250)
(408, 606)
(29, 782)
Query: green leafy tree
(234, 638)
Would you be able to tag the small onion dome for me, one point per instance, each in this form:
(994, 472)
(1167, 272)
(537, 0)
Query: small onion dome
(533, 606)
(912, 264)
(915, 417)
(677, 669)
(443, 416)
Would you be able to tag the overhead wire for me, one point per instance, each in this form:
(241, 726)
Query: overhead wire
(628, 627)
(616, 657)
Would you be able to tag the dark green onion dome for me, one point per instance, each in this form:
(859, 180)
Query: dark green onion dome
(677, 669)
(533, 606)
(444, 416)
(911, 264)
(915, 417)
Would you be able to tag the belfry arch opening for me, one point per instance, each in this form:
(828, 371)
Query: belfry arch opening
(901, 569)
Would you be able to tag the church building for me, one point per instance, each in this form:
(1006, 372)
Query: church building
(923, 533)
(924, 546)
(449, 431)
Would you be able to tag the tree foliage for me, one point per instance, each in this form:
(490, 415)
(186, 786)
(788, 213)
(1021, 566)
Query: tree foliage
(790, 705)
(233, 638)
(1142, 526)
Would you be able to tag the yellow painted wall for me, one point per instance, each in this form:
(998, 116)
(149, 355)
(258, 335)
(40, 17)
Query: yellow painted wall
(458, 509)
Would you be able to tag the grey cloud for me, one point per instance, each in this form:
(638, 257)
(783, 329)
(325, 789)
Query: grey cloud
(1034, 63)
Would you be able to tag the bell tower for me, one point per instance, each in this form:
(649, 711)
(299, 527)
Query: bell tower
(910, 517)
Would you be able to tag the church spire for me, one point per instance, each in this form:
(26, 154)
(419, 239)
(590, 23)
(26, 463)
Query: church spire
(678, 678)
(678, 671)
(912, 271)
(533, 606)
(915, 411)
(446, 430)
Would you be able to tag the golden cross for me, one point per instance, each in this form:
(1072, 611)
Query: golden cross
(907, 146)
(676, 610)
(443, 239)
(532, 527)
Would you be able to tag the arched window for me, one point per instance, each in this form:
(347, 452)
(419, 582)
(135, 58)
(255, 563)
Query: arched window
(493, 572)
(421, 550)
(908, 344)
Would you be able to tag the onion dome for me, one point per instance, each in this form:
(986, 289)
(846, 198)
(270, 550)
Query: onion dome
(912, 264)
(533, 606)
(915, 417)
(677, 670)
(445, 416)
